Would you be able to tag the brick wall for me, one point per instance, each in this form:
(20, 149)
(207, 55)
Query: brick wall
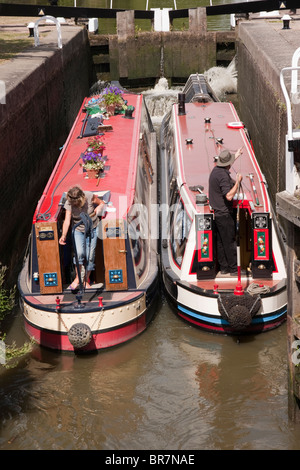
(45, 87)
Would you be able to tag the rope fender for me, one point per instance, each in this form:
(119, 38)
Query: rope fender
(238, 310)
(79, 335)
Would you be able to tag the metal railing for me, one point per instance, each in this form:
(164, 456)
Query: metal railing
(36, 31)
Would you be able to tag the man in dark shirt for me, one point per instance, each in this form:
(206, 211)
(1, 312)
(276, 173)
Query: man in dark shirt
(222, 190)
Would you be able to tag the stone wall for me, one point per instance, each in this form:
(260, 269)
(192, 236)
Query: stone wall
(260, 59)
(45, 87)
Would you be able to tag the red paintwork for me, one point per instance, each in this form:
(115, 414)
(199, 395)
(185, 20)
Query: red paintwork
(197, 142)
(210, 246)
(106, 339)
(197, 159)
(121, 150)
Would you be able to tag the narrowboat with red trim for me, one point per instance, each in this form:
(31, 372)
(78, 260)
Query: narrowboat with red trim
(119, 302)
(193, 134)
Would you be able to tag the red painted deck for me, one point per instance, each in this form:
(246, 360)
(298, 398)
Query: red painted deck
(229, 283)
(121, 151)
(198, 158)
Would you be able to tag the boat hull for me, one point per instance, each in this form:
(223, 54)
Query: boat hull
(119, 301)
(109, 327)
(254, 299)
(201, 310)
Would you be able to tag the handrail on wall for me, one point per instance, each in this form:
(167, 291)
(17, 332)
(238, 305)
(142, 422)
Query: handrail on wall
(293, 136)
(36, 32)
(294, 80)
(295, 61)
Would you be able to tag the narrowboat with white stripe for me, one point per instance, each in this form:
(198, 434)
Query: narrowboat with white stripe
(119, 302)
(254, 299)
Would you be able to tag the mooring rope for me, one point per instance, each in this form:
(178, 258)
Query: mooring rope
(254, 303)
(220, 300)
(46, 215)
(255, 288)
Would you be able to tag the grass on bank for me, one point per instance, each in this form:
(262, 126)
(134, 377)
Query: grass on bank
(12, 44)
(7, 297)
(10, 353)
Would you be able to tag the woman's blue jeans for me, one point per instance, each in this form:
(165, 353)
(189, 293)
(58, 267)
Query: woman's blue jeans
(86, 248)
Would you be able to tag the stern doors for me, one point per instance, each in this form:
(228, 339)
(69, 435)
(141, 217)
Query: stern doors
(113, 232)
(47, 246)
(262, 259)
(205, 246)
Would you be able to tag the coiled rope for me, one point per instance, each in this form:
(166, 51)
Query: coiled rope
(255, 289)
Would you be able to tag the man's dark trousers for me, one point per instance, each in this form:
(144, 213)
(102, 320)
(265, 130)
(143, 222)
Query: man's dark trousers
(226, 242)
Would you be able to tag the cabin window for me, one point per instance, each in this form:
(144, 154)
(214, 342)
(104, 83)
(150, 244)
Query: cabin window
(170, 156)
(180, 225)
(138, 235)
(138, 224)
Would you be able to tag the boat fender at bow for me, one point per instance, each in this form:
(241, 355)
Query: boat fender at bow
(235, 125)
(79, 335)
(238, 310)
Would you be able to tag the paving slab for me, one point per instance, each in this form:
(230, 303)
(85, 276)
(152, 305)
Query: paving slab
(269, 44)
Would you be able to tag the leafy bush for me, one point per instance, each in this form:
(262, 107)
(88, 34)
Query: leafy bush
(7, 297)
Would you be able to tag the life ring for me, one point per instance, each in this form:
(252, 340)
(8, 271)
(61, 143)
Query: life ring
(235, 125)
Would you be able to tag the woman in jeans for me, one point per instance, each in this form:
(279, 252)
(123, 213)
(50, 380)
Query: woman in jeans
(88, 203)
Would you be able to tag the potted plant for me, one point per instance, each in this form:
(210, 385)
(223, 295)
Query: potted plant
(111, 97)
(96, 144)
(92, 163)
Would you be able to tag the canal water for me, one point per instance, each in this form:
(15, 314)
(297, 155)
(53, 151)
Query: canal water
(172, 388)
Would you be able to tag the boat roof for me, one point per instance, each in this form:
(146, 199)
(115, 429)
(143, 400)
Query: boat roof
(119, 176)
(224, 131)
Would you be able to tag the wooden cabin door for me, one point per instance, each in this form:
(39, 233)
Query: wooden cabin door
(113, 232)
(48, 258)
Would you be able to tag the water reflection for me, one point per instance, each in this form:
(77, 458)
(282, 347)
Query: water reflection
(172, 388)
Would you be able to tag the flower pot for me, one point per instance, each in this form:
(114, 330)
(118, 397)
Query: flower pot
(111, 109)
(92, 173)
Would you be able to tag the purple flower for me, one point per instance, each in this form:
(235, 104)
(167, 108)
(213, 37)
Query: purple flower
(112, 89)
(91, 158)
